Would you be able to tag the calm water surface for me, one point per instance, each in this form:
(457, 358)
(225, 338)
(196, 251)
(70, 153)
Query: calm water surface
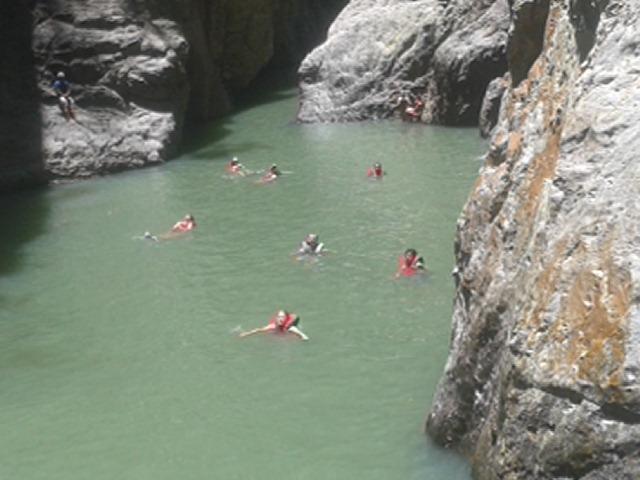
(119, 357)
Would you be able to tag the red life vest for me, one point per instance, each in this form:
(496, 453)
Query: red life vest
(289, 321)
(269, 177)
(373, 172)
(233, 168)
(184, 226)
(408, 268)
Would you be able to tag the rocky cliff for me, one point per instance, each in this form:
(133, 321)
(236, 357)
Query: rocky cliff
(543, 377)
(445, 52)
(140, 69)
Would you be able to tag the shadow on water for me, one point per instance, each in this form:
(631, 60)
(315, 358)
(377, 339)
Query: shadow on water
(24, 216)
(271, 86)
(21, 162)
(205, 141)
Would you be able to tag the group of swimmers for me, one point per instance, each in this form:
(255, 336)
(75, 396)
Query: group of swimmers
(235, 168)
(409, 264)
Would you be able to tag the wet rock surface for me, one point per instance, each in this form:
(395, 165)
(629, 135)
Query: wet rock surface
(542, 380)
(444, 52)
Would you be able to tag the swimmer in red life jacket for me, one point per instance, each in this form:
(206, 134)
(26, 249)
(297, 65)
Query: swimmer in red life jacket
(235, 168)
(272, 174)
(187, 224)
(375, 171)
(281, 322)
(414, 112)
(311, 245)
(410, 264)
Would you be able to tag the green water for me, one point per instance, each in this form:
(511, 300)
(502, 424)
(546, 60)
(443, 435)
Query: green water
(119, 357)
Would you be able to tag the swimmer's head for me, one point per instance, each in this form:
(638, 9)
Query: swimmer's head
(234, 161)
(281, 317)
(410, 253)
(312, 237)
(189, 218)
(60, 75)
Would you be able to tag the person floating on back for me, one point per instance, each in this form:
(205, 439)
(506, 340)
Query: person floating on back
(187, 224)
(271, 176)
(311, 245)
(281, 322)
(62, 89)
(375, 171)
(410, 264)
(235, 168)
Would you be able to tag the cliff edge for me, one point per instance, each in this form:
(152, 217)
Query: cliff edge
(542, 380)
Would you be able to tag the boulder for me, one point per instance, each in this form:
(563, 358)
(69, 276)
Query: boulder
(377, 51)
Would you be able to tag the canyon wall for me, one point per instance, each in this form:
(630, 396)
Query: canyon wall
(139, 70)
(444, 52)
(542, 380)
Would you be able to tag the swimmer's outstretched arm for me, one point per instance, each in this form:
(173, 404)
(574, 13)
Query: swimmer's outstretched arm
(295, 330)
(256, 330)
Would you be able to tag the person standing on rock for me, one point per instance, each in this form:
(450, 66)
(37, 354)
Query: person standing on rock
(62, 89)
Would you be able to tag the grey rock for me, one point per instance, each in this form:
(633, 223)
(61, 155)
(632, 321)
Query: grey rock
(542, 377)
(138, 70)
(490, 108)
(377, 50)
(526, 35)
(465, 64)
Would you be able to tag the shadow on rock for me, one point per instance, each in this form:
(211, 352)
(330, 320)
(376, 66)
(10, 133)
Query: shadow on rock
(21, 163)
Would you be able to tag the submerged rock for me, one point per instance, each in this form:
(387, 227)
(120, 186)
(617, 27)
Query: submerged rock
(376, 51)
(543, 377)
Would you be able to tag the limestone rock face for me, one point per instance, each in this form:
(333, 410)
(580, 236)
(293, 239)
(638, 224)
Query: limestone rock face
(490, 109)
(543, 377)
(129, 82)
(139, 69)
(377, 50)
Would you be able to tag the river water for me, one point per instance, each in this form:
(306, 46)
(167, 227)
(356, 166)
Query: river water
(119, 357)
